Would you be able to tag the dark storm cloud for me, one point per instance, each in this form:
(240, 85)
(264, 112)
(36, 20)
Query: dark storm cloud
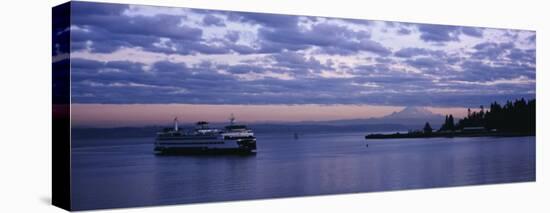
(331, 39)
(357, 21)
(492, 62)
(438, 33)
(445, 33)
(279, 32)
(210, 20)
(167, 82)
(98, 9)
(268, 20)
(522, 56)
(108, 29)
(491, 50)
(404, 31)
(472, 31)
(232, 36)
(475, 71)
(532, 38)
(127, 82)
(103, 29)
(112, 21)
(114, 71)
(243, 68)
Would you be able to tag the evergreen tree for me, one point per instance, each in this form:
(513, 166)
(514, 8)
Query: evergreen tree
(451, 123)
(513, 116)
(427, 128)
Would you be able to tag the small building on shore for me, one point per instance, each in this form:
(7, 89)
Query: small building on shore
(474, 129)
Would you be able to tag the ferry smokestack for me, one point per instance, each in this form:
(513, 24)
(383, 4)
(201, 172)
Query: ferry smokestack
(232, 119)
(176, 124)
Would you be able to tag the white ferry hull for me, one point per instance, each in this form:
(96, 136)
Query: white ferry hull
(232, 139)
(198, 146)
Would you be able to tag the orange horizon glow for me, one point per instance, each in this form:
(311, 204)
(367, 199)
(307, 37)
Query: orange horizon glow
(118, 115)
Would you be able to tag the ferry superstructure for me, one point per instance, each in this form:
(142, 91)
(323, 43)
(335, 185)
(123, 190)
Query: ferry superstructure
(234, 138)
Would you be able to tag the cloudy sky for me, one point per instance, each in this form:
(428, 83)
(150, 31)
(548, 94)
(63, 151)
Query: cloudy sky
(126, 54)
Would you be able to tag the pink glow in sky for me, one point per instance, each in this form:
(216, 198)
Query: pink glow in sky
(114, 115)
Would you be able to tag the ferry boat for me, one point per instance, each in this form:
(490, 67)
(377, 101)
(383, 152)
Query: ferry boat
(203, 139)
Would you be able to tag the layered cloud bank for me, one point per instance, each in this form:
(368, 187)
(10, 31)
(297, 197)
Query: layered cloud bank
(125, 54)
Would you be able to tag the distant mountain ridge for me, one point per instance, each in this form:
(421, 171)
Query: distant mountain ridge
(410, 118)
(412, 112)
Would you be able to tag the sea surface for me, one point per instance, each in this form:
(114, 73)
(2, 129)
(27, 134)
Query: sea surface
(125, 172)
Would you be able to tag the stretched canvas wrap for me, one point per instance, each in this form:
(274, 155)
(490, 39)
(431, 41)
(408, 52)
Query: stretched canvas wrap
(167, 105)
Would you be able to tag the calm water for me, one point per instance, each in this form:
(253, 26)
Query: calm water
(105, 176)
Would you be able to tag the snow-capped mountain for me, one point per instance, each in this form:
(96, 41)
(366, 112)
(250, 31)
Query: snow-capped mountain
(412, 112)
(410, 117)
(414, 117)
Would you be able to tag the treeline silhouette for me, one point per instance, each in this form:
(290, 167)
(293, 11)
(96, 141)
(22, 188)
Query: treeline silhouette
(517, 117)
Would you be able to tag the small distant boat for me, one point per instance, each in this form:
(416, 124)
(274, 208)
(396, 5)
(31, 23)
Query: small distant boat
(203, 139)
